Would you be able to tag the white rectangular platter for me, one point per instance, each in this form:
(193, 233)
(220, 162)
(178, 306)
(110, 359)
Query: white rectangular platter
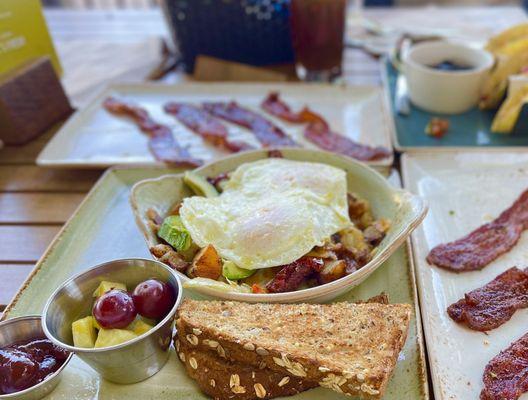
(93, 138)
(103, 228)
(464, 190)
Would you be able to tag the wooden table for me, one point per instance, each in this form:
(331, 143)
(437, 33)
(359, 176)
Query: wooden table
(35, 202)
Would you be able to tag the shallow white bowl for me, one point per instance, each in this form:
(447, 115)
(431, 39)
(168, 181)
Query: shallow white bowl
(445, 92)
(404, 209)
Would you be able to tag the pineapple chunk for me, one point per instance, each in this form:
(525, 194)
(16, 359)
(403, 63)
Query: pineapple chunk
(96, 324)
(105, 286)
(112, 337)
(139, 326)
(84, 334)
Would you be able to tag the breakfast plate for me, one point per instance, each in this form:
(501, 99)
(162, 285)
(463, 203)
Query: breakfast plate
(464, 190)
(469, 131)
(94, 138)
(106, 223)
(301, 169)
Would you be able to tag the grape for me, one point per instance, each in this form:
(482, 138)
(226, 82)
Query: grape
(114, 310)
(153, 299)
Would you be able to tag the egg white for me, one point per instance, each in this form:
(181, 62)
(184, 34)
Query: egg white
(271, 212)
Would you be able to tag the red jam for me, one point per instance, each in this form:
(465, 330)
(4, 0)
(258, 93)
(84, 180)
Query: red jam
(25, 364)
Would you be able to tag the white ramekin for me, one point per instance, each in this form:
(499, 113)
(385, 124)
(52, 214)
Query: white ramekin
(446, 92)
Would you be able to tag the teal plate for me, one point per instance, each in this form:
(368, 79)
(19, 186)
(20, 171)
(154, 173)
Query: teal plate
(470, 129)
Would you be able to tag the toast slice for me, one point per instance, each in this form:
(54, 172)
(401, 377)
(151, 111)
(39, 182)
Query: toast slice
(350, 348)
(220, 378)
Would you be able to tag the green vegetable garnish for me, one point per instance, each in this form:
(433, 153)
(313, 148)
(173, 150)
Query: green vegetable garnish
(206, 283)
(232, 272)
(174, 233)
(199, 185)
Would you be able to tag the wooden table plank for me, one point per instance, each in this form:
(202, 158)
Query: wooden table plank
(27, 153)
(24, 178)
(11, 277)
(38, 208)
(24, 244)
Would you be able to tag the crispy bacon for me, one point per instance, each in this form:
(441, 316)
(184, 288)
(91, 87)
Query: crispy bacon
(291, 276)
(205, 125)
(267, 133)
(324, 138)
(275, 153)
(217, 180)
(477, 249)
(278, 108)
(506, 375)
(493, 304)
(318, 131)
(162, 143)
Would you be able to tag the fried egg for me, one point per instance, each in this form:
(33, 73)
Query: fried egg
(271, 212)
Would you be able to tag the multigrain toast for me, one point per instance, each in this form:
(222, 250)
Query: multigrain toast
(220, 378)
(224, 379)
(350, 348)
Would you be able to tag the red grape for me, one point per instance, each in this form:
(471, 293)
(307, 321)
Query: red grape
(114, 310)
(153, 299)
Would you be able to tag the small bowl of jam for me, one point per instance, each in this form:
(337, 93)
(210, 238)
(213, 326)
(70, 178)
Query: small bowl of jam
(445, 77)
(30, 364)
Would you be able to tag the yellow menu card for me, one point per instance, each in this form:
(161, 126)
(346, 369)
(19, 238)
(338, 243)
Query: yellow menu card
(24, 34)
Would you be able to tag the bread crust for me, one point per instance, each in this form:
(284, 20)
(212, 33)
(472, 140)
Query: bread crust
(358, 363)
(220, 378)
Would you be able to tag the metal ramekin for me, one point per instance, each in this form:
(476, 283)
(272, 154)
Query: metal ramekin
(21, 329)
(129, 362)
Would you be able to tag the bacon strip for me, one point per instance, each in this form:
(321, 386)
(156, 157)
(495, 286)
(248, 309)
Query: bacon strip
(485, 244)
(506, 375)
(291, 276)
(161, 141)
(328, 140)
(205, 125)
(319, 133)
(267, 133)
(493, 304)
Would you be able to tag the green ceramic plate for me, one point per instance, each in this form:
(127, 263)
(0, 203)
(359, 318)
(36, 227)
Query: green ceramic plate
(103, 228)
(470, 129)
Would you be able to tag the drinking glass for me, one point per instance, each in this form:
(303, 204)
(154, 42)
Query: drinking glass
(317, 28)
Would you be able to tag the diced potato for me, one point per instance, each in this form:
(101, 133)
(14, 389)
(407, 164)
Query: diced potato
(84, 333)
(169, 256)
(332, 271)
(105, 286)
(353, 240)
(112, 337)
(206, 264)
(139, 326)
(359, 211)
(383, 224)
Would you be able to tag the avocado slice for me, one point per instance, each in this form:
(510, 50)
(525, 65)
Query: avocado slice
(199, 185)
(174, 233)
(232, 272)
